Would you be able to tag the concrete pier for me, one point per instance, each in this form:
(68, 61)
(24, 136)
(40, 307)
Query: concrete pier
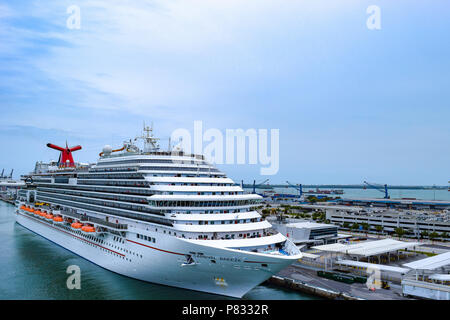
(306, 280)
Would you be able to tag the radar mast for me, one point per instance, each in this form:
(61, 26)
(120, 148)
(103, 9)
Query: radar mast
(150, 142)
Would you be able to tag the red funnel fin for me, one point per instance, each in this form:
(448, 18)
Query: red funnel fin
(66, 154)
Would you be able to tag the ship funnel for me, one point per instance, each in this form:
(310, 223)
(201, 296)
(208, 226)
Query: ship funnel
(65, 158)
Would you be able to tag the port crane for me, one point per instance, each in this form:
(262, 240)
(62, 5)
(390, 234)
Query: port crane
(379, 187)
(2, 176)
(255, 185)
(298, 187)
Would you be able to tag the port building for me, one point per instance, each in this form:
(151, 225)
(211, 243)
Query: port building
(430, 278)
(389, 220)
(306, 232)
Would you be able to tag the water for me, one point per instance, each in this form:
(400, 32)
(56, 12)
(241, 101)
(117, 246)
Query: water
(35, 268)
(372, 193)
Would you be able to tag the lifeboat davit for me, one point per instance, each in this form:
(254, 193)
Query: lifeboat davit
(88, 229)
(58, 219)
(76, 225)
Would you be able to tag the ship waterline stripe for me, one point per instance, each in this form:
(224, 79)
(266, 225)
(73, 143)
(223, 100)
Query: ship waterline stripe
(260, 262)
(181, 254)
(71, 234)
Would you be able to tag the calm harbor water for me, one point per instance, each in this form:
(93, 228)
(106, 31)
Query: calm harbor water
(373, 193)
(35, 268)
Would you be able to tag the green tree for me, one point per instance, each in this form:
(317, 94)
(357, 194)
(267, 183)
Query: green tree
(355, 226)
(424, 234)
(433, 235)
(400, 232)
(444, 236)
(379, 228)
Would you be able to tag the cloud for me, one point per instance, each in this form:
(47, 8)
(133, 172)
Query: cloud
(310, 68)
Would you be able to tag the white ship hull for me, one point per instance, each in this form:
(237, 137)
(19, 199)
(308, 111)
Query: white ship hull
(218, 270)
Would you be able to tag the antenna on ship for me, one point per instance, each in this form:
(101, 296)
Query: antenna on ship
(150, 142)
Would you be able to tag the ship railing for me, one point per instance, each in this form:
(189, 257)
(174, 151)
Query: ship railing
(85, 218)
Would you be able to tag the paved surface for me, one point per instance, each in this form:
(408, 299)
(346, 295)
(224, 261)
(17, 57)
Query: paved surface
(359, 290)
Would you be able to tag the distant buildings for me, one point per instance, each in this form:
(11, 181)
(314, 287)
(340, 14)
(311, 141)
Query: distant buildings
(388, 220)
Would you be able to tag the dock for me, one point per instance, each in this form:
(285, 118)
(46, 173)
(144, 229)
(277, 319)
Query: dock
(10, 201)
(303, 279)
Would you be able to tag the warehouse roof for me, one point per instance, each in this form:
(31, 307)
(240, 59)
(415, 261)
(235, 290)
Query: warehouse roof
(431, 263)
(382, 267)
(368, 248)
(440, 277)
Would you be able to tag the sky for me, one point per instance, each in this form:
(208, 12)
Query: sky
(351, 103)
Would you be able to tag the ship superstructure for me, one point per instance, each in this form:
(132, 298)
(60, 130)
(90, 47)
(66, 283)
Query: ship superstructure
(165, 217)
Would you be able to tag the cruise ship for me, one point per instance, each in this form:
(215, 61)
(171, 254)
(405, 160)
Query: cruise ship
(165, 217)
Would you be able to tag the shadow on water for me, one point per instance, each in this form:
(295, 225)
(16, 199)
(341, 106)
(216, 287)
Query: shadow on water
(35, 268)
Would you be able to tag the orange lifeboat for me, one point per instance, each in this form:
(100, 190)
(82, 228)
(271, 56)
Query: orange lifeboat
(23, 207)
(49, 216)
(76, 225)
(37, 212)
(58, 219)
(88, 229)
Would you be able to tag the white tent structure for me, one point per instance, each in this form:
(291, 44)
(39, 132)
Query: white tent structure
(431, 263)
(368, 248)
(365, 265)
(425, 282)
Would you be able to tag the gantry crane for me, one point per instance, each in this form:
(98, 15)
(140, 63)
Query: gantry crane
(255, 185)
(379, 187)
(298, 187)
